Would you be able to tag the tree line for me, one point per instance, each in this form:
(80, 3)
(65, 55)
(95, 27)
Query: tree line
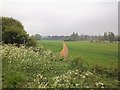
(108, 36)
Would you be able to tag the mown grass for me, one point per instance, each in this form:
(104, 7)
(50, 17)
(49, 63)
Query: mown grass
(105, 54)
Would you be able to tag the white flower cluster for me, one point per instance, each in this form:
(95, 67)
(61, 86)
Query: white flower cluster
(40, 81)
(25, 58)
(73, 79)
(99, 84)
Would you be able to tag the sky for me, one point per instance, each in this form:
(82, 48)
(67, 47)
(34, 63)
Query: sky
(62, 17)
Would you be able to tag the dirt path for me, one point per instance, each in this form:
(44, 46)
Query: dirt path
(64, 52)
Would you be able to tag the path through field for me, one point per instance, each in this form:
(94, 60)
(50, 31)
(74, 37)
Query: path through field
(64, 52)
(101, 53)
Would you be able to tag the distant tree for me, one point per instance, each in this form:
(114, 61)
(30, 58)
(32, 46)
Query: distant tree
(38, 37)
(111, 36)
(118, 38)
(87, 37)
(100, 38)
(105, 36)
(74, 37)
(66, 38)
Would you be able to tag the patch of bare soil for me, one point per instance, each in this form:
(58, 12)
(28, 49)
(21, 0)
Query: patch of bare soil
(64, 52)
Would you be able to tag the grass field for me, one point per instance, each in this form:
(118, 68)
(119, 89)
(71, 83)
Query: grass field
(105, 54)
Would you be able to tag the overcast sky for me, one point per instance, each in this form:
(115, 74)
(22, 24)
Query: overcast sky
(62, 17)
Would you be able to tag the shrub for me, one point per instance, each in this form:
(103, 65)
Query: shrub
(109, 72)
(31, 42)
(13, 32)
(79, 63)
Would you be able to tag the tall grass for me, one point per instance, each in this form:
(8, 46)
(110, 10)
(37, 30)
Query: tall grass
(25, 67)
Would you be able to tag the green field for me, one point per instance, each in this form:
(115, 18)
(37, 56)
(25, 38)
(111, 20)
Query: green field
(95, 53)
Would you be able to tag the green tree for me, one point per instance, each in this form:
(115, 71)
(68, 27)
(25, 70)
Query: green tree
(38, 37)
(105, 36)
(111, 36)
(13, 31)
(74, 37)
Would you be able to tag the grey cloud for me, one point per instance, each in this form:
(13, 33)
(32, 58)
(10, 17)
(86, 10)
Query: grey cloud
(63, 18)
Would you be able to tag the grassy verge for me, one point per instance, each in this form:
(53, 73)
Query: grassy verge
(38, 68)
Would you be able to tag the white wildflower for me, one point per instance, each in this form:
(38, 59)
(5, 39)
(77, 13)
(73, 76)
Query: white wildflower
(77, 85)
(102, 86)
(83, 76)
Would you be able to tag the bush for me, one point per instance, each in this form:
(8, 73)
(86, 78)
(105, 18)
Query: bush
(13, 32)
(109, 72)
(79, 63)
(31, 42)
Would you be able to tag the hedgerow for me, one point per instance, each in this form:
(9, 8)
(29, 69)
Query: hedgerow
(28, 67)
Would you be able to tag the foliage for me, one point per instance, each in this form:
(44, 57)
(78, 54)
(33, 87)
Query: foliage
(38, 37)
(79, 63)
(105, 36)
(13, 32)
(109, 36)
(109, 72)
(28, 67)
(31, 42)
(74, 37)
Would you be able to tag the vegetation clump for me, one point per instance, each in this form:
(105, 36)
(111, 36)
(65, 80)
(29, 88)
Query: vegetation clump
(28, 67)
(13, 32)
